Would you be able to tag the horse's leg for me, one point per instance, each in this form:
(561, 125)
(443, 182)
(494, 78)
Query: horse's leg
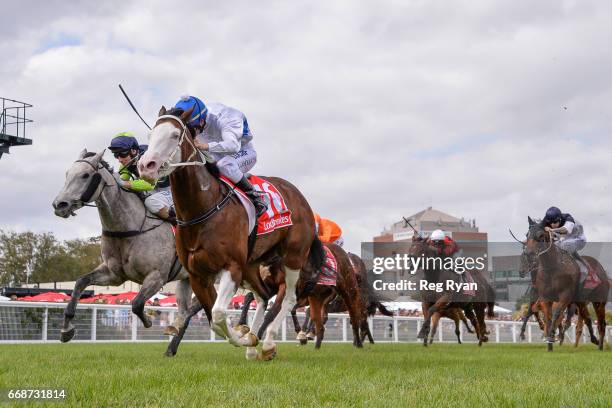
(600, 310)
(183, 298)
(269, 347)
(589, 324)
(99, 276)
(579, 327)
(557, 311)
(480, 318)
(424, 332)
(435, 319)
(258, 318)
(457, 321)
(525, 320)
(176, 340)
(316, 315)
(220, 322)
(440, 304)
(353, 304)
(465, 323)
(151, 284)
(244, 312)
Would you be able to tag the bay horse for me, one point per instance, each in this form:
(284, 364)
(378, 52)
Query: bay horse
(135, 246)
(433, 302)
(213, 234)
(557, 279)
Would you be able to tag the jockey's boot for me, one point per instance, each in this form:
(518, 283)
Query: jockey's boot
(255, 196)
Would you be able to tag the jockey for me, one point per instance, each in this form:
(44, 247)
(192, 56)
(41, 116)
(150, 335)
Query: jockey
(127, 151)
(328, 231)
(445, 245)
(570, 234)
(225, 133)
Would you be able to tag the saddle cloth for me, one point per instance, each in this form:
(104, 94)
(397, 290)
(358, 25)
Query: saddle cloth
(592, 280)
(278, 214)
(329, 272)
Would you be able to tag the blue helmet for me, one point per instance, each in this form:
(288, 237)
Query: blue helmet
(553, 214)
(199, 109)
(123, 141)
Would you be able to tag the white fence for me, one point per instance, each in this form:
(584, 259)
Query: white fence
(25, 322)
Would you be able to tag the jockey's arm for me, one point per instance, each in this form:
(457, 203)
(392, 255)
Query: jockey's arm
(565, 229)
(135, 185)
(231, 134)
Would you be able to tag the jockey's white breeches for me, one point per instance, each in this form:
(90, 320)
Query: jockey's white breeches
(234, 165)
(159, 200)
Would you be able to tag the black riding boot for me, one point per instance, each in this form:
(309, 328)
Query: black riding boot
(260, 206)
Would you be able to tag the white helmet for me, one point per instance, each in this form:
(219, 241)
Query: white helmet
(437, 235)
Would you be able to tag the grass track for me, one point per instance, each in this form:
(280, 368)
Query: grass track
(386, 375)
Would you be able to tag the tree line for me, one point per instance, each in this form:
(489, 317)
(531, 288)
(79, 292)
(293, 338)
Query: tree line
(28, 257)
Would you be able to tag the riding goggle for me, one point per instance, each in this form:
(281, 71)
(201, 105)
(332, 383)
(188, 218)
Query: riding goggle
(122, 154)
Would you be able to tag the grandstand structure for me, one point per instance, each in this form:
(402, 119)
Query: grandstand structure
(13, 120)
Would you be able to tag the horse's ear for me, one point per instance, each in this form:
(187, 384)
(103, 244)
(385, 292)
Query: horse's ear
(82, 154)
(186, 115)
(96, 159)
(530, 220)
(162, 111)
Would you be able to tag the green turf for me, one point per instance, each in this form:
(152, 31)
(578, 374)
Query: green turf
(385, 375)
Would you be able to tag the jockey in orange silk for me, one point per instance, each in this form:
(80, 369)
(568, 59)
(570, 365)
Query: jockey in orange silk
(328, 231)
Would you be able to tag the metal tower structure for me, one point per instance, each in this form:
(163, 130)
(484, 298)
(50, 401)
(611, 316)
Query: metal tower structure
(13, 124)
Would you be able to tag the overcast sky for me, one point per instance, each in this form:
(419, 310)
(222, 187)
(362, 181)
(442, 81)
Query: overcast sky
(486, 110)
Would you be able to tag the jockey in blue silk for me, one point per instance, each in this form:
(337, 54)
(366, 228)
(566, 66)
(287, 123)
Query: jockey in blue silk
(570, 237)
(224, 132)
(158, 199)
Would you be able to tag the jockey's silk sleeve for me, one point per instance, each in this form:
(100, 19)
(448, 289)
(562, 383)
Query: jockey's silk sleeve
(231, 132)
(141, 185)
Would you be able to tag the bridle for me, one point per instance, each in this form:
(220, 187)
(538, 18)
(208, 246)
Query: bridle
(204, 156)
(93, 186)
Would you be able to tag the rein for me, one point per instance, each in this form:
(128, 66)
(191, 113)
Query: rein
(91, 189)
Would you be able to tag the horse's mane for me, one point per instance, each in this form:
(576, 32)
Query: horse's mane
(103, 162)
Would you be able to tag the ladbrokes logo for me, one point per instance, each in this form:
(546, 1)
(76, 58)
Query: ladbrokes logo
(283, 219)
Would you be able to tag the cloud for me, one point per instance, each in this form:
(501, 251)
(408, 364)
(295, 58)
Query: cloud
(485, 110)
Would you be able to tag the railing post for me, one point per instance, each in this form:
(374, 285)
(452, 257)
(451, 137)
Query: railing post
(529, 333)
(344, 334)
(440, 331)
(45, 323)
(496, 332)
(395, 329)
(94, 319)
(514, 332)
(134, 326)
(284, 329)
(419, 323)
(212, 334)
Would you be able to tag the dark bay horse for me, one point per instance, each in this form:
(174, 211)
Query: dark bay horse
(557, 279)
(213, 233)
(435, 301)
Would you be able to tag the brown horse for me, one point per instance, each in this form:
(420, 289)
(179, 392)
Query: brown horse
(557, 279)
(213, 233)
(433, 302)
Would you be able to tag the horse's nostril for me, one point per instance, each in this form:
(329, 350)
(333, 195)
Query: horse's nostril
(151, 165)
(62, 205)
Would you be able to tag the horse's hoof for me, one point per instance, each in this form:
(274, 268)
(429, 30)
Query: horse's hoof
(303, 342)
(67, 335)
(310, 336)
(146, 322)
(268, 354)
(242, 329)
(171, 331)
(522, 337)
(169, 353)
(301, 337)
(251, 354)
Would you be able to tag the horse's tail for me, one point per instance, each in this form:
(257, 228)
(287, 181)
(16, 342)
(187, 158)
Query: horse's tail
(316, 260)
(383, 309)
(316, 257)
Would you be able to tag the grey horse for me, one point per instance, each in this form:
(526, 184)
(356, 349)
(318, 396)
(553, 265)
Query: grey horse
(135, 245)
